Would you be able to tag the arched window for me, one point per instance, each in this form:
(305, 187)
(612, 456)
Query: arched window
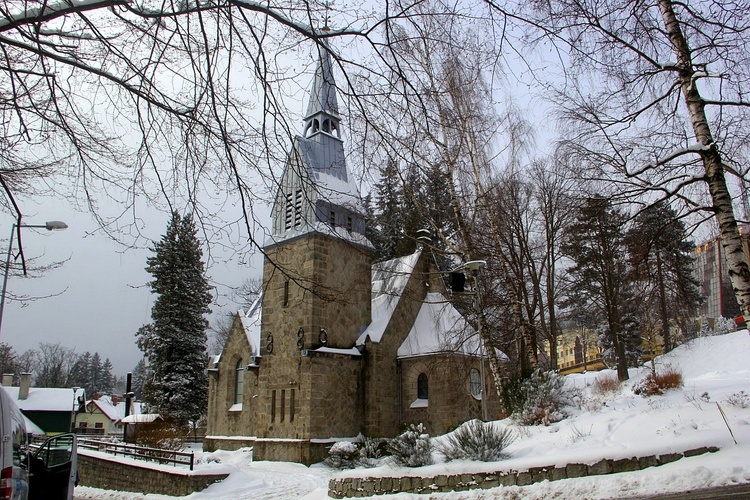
(422, 391)
(239, 382)
(475, 383)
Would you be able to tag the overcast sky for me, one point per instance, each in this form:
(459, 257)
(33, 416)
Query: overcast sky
(100, 297)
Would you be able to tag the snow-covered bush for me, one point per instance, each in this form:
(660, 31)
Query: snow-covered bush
(476, 440)
(544, 397)
(412, 448)
(343, 455)
(739, 400)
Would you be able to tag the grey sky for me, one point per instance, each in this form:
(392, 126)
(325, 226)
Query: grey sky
(104, 299)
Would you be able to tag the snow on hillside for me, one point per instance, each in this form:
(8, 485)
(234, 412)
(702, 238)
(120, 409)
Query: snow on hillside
(715, 370)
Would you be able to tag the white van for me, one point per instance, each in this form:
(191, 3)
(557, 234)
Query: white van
(48, 473)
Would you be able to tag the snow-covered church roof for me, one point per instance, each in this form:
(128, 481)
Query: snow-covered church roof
(439, 328)
(251, 324)
(389, 280)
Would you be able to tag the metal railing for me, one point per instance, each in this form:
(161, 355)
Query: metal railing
(140, 452)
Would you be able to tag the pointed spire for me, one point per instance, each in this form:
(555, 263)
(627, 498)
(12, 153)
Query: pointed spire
(323, 94)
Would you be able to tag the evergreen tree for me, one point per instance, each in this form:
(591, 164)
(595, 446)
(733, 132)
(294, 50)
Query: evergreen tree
(595, 242)
(175, 342)
(138, 382)
(662, 258)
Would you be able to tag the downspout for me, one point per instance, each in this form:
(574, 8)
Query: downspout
(400, 394)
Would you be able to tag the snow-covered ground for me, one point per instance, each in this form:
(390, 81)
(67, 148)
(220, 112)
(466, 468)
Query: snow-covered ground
(623, 425)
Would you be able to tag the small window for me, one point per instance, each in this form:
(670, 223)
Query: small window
(291, 405)
(332, 218)
(239, 382)
(286, 293)
(273, 406)
(283, 404)
(422, 392)
(475, 383)
(349, 224)
(99, 425)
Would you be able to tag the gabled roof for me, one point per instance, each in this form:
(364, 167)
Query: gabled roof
(389, 279)
(115, 411)
(439, 328)
(251, 324)
(47, 399)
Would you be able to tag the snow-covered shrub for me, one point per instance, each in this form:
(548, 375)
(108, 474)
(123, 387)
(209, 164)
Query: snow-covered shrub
(343, 455)
(362, 452)
(655, 383)
(412, 448)
(476, 440)
(724, 325)
(739, 400)
(544, 397)
(370, 450)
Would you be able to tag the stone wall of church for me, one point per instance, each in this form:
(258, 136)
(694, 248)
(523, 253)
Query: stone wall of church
(449, 402)
(316, 293)
(382, 372)
(224, 417)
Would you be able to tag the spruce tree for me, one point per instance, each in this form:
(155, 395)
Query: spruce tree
(595, 242)
(175, 342)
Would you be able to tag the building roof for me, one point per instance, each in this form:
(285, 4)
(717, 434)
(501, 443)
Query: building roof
(439, 328)
(389, 280)
(47, 399)
(323, 93)
(143, 418)
(251, 324)
(115, 411)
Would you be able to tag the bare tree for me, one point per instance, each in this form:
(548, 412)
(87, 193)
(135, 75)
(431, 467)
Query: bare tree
(653, 98)
(54, 365)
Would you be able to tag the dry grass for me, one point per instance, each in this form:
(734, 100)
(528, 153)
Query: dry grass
(605, 384)
(668, 378)
(656, 383)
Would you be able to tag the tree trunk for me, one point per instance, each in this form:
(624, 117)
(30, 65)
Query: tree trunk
(737, 267)
(667, 343)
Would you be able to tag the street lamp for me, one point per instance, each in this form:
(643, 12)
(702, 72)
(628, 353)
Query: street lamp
(54, 225)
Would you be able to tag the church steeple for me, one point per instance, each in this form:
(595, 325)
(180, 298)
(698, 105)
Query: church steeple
(317, 194)
(323, 109)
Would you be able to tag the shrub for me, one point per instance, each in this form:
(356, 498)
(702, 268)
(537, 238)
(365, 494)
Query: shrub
(343, 455)
(739, 400)
(412, 448)
(606, 384)
(544, 397)
(363, 451)
(161, 435)
(476, 440)
(656, 383)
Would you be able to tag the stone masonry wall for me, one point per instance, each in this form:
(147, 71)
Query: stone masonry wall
(364, 487)
(98, 472)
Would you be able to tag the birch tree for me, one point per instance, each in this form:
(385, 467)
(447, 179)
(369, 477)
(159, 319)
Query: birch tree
(654, 100)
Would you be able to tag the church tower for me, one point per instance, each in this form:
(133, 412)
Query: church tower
(316, 293)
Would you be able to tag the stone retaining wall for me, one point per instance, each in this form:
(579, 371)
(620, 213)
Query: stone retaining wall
(368, 486)
(98, 472)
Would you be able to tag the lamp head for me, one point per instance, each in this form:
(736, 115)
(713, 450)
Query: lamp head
(55, 225)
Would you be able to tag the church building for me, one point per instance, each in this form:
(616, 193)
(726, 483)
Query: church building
(337, 345)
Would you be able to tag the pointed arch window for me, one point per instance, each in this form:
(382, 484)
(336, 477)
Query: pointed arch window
(239, 382)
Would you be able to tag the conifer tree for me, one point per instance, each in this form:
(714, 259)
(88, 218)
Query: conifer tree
(662, 258)
(595, 243)
(175, 342)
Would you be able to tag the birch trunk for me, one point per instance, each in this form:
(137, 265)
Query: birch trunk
(737, 267)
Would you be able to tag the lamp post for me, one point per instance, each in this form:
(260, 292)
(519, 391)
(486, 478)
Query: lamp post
(54, 225)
